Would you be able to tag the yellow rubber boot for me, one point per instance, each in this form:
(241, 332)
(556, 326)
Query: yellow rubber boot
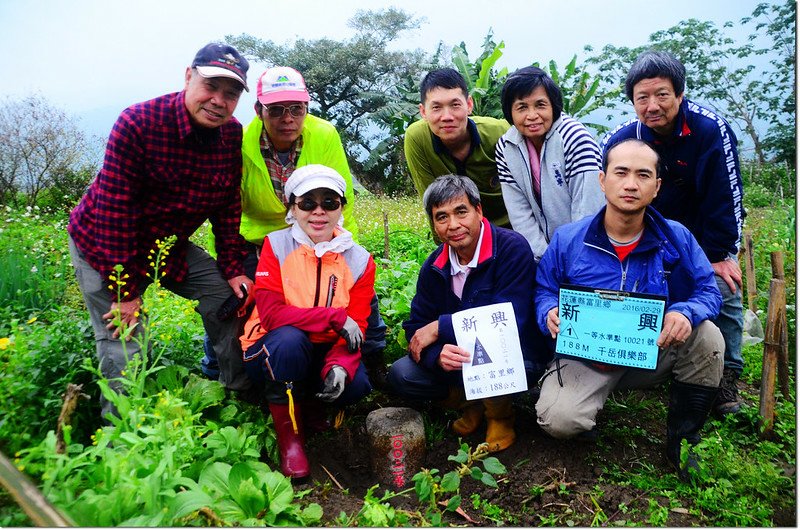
(471, 411)
(471, 417)
(499, 423)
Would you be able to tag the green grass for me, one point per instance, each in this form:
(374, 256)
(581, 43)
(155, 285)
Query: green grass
(34, 262)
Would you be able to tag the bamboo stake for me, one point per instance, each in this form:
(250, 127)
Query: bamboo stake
(776, 259)
(750, 271)
(30, 499)
(772, 347)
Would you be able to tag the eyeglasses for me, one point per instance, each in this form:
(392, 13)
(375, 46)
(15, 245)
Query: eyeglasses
(278, 111)
(328, 204)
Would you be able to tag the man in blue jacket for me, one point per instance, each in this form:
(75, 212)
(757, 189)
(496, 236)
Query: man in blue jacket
(701, 186)
(629, 246)
(477, 264)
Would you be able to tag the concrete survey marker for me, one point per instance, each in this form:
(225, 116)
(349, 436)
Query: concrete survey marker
(397, 445)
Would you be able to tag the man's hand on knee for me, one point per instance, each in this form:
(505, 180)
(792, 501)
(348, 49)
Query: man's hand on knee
(423, 337)
(675, 331)
(123, 316)
(729, 271)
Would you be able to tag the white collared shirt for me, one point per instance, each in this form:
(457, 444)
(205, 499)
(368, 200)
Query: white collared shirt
(458, 272)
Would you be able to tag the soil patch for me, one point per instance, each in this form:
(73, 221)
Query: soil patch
(549, 482)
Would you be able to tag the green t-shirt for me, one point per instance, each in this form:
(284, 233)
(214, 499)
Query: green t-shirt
(428, 158)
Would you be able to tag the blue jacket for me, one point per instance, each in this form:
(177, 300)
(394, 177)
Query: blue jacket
(667, 261)
(505, 273)
(701, 186)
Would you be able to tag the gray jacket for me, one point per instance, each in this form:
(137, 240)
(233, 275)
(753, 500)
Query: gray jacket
(570, 190)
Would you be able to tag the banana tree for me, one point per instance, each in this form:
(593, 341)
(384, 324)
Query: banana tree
(579, 90)
(484, 84)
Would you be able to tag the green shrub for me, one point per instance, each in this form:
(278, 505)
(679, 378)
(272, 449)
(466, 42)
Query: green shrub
(758, 196)
(67, 188)
(395, 287)
(178, 445)
(773, 181)
(38, 358)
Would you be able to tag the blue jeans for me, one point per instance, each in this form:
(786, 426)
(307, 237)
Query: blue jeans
(730, 322)
(209, 364)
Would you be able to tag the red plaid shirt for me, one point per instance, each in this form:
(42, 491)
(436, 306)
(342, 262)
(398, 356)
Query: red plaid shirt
(161, 176)
(277, 171)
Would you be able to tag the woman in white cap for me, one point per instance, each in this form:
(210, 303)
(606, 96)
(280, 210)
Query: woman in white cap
(313, 290)
(282, 137)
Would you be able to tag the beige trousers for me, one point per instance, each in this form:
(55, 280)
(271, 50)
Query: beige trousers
(572, 396)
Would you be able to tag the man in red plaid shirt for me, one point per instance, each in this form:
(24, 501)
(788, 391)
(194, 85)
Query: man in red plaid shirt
(170, 164)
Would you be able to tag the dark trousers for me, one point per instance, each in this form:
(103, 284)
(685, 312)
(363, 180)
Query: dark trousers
(374, 338)
(414, 382)
(287, 355)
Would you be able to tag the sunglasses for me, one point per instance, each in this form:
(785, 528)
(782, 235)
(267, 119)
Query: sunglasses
(278, 111)
(328, 204)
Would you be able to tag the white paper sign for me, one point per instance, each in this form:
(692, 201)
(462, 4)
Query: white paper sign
(489, 333)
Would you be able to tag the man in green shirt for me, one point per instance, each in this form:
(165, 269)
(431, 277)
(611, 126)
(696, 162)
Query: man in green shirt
(447, 141)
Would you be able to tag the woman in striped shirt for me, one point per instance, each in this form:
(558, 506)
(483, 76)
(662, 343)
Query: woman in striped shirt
(548, 163)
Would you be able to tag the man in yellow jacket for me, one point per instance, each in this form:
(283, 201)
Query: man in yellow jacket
(282, 137)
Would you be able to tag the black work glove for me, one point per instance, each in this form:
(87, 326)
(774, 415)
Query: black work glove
(334, 384)
(352, 335)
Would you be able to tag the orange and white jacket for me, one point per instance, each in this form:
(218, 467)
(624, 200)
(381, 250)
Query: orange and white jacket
(294, 287)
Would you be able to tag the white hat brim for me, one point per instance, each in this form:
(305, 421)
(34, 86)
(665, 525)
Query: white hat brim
(216, 71)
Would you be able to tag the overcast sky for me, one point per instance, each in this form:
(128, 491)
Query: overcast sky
(95, 57)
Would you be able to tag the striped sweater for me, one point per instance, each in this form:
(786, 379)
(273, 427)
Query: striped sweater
(570, 189)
